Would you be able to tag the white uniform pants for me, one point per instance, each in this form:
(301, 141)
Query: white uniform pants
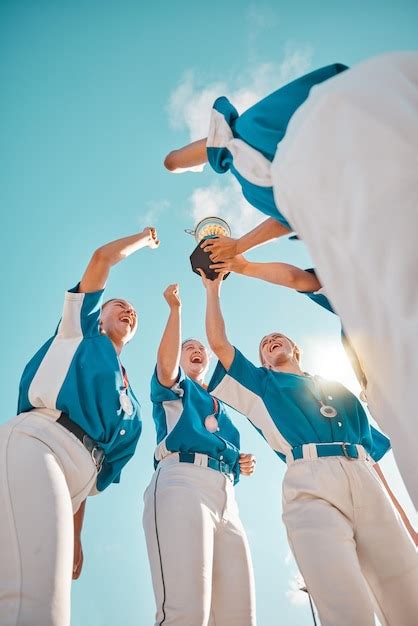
(45, 474)
(197, 548)
(345, 176)
(343, 531)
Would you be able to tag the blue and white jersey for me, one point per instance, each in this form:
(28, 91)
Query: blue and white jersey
(179, 415)
(77, 371)
(246, 144)
(284, 408)
(320, 298)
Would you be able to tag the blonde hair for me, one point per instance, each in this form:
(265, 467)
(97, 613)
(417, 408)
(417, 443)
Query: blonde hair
(296, 350)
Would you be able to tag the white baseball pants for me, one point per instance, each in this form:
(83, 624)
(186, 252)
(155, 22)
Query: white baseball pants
(343, 531)
(45, 474)
(198, 551)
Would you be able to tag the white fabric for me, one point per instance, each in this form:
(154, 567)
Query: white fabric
(346, 177)
(45, 474)
(249, 163)
(51, 373)
(343, 531)
(198, 551)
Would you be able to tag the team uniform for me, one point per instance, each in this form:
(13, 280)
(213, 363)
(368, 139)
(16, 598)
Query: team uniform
(198, 551)
(341, 525)
(78, 425)
(342, 174)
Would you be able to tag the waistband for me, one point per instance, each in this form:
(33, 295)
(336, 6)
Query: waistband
(203, 460)
(97, 453)
(313, 451)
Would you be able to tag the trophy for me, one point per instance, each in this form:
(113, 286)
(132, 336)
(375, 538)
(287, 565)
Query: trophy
(208, 228)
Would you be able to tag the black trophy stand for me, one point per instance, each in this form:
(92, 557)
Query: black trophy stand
(200, 259)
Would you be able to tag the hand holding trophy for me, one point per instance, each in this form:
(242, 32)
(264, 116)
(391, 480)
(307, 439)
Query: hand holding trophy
(207, 229)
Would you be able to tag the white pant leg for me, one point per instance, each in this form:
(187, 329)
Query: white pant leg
(318, 519)
(344, 531)
(386, 553)
(345, 175)
(185, 530)
(44, 475)
(233, 593)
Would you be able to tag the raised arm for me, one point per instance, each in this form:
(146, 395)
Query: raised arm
(188, 156)
(106, 256)
(223, 248)
(276, 273)
(412, 532)
(215, 325)
(168, 358)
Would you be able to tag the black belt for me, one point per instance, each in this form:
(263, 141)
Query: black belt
(97, 453)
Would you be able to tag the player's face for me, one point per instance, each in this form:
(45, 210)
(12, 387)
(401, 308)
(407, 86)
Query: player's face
(194, 358)
(119, 320)
(276, 349)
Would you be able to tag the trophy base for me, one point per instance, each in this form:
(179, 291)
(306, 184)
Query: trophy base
(200, 259)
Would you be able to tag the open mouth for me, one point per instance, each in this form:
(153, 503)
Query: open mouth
(275, 345)
(126, 319)
(196, 358)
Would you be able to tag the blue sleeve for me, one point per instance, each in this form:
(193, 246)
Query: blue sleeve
(81, 314)
(317, 296)
(159, 393)
(241, 385)
(380, 444)
(219, 157)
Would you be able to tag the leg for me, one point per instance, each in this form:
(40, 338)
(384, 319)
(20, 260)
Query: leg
(179, 532)
(233, 591)
(36, 533)
(321, 537)
(387, 555)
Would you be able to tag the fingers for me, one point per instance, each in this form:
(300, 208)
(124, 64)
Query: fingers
(209, 243)
(78, 564)
(247, 463)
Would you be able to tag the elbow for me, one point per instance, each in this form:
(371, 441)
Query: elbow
(170, 161)
(101, 256)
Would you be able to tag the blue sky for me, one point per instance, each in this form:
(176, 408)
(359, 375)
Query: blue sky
(94, 94)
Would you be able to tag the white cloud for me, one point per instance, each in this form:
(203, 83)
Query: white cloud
(225, 201)
(190, 103)
(153, 211)
(294, 593)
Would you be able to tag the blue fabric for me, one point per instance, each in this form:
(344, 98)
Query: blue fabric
(262, 127)
(189, 433)
(89, 393)
(292, 406)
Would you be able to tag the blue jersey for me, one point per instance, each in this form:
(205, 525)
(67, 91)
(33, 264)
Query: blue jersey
(285, 408)
(77, 371)
(246, 144)
(179, 415)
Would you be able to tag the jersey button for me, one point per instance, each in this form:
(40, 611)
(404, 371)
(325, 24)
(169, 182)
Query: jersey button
(340, 424)
(221, 458)
(329, 397)
(122, 432)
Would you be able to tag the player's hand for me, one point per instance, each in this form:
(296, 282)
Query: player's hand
(172, 296)
(78, 558)
(220, 248)
(247, 463)
(153, 241)
(209, 284)
(236, 264)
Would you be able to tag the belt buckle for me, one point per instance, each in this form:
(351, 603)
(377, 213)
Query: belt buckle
(345, 451)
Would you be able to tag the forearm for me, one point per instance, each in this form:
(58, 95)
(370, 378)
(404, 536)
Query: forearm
(281, 274)
(266, 231)
(97, 271)
(168, 358)
(78, 519)
(188, 156)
